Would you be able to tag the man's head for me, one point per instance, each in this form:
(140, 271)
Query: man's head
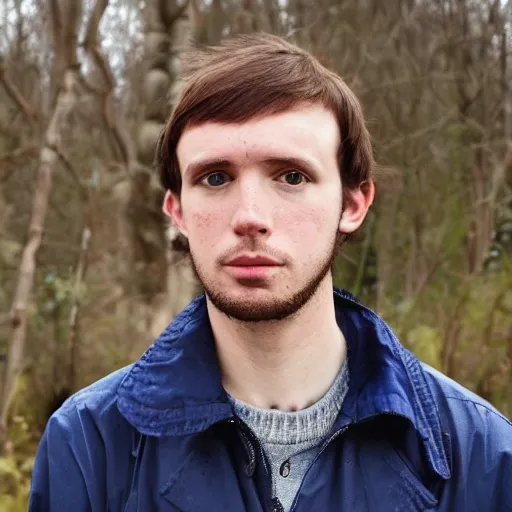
(268, 165)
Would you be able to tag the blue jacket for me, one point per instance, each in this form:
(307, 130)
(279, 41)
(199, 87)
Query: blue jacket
(160, 435)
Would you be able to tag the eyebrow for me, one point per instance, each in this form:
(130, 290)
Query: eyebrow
(291, 161)
(210, 164)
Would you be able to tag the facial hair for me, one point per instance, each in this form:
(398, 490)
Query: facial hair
(273, 309)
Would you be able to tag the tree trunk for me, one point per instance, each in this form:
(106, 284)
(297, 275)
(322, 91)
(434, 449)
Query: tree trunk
(168, 28)
(48, 159)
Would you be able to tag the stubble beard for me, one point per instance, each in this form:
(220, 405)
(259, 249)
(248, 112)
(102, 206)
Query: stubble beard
(273, 309)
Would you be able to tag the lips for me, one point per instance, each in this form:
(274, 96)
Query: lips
(247, 260)
(252, 269)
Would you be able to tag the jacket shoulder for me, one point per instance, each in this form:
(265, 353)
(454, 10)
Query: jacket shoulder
(478, 440)
(475, 430)
(449, 394)
(96, 396)
(92, 411)
(82, 438)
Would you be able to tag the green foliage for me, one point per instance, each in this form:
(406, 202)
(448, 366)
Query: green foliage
(10, 476)
(425, 342)
(55, 293)
(10, 251)
(15, 475)
(16, 469)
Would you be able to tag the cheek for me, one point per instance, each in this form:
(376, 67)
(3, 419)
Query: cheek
(203, 222)
(203, 227)
(311, 223)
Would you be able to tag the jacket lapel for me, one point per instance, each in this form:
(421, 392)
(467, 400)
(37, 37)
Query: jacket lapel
(209, 480)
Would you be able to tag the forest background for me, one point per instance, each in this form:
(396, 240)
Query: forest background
(90, 272)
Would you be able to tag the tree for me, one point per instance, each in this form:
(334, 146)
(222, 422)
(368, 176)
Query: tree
(65, 33)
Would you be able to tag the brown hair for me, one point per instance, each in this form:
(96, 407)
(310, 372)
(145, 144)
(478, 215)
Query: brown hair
(256, 75)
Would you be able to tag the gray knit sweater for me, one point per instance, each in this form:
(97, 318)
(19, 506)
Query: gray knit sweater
(291, 440)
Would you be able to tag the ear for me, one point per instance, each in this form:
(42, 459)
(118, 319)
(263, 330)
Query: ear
(357, 203)
(172, 208)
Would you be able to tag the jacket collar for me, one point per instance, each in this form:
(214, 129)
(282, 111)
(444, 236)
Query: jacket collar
(175, 388)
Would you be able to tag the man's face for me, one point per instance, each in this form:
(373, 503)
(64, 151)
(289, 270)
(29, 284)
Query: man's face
(261, 207)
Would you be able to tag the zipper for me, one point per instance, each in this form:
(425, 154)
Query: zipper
(246, 430)
(251, 467)
(322, 449)
(277, 506)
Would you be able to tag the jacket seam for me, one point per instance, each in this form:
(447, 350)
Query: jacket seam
(169, 412)
(487, 408)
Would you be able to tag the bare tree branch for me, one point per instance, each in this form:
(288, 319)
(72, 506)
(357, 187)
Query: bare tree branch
(71, 169)
(92, 47)
(91, 33)
(56, 18)
(16, 96)
(9, 161)
(169, 16)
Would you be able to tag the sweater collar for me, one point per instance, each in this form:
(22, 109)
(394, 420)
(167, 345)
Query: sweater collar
(175, 388)
(310, 425)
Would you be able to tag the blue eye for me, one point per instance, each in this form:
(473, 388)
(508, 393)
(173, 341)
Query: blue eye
(215, 179)
(293, 178)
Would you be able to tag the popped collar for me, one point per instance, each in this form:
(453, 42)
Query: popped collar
(175, 388)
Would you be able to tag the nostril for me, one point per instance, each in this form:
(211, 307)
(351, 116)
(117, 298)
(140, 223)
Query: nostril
(250, 223)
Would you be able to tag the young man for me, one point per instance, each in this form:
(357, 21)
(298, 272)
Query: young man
(272, 391)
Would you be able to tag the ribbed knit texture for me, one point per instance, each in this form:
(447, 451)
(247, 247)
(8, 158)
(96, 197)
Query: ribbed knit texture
(294, 438)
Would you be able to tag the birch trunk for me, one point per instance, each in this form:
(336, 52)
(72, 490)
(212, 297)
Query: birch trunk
(48, 159)
(65, 18)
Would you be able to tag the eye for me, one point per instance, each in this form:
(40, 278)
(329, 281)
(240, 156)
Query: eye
(215, 179)
(293, 178)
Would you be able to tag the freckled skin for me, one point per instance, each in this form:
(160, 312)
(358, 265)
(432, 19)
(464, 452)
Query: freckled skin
(256, 210)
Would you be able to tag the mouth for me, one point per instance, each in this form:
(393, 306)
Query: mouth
(251, 268)
(253, 260)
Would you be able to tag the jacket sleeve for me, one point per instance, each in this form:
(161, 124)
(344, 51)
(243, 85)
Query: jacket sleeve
(486, 460)
(58, 479)
(497, 460)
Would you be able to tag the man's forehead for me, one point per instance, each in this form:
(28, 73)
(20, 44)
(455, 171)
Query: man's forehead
(292, 134)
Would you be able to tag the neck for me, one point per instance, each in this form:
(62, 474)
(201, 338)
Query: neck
(288, 364)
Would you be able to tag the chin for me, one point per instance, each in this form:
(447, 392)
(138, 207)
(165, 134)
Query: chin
(249, 296)
(253, 304)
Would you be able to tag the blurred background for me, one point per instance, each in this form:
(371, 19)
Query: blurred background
(90, 272)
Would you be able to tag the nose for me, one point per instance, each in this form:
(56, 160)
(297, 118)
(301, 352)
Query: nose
(251, 217)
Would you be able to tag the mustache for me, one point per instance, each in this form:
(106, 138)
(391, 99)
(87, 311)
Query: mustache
(255, 247)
